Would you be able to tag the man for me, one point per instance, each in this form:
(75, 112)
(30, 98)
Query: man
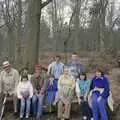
(75, 68)
(9, 79)
(56, 69)
(66, 85)
(39, 82)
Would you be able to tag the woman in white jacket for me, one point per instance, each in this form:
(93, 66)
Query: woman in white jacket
(24, 93)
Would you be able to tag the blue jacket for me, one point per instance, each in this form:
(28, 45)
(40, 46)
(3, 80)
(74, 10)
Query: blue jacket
(101, 82)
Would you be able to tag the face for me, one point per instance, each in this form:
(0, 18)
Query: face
(74, 57)
(66, 70)
(24, 79)
(98, 74)
(37, 72)
(82, 77)
(7, 68)
(57, 59)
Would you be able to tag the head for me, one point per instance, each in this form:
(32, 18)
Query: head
(57, 58)
(24, 78)
(37, 70)
(66, 70)
(6, 66)
(99, 73)
(83, 76)
(74, 57)
(25, 71)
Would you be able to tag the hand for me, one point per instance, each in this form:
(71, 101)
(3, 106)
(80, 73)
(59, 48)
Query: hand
(99, 98)
(79, 101)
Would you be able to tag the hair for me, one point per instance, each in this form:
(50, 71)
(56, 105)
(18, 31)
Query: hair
(24, 76)
(84, 74)
(58, 56)
(74, 53)
(100, 70)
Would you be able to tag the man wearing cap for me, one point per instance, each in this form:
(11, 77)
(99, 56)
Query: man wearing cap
(9, 79)
(39, 82)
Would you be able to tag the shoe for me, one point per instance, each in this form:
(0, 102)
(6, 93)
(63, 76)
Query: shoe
(91, 119)
(26, 116)
(84, 118)
(21, 117)
(15, 114)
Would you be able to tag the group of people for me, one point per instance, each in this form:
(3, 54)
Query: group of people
(58, 86)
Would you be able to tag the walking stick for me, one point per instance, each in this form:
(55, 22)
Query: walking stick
(3, 107)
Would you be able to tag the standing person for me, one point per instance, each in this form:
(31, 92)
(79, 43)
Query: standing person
(52, 61)
(75, 67)
(57, 68)
(66, 85)
(82, 90)
(9, 79)
(24, 93)
(39, 83)
(100, 92)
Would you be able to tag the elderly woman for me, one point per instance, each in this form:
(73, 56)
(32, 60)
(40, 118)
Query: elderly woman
(66, 85)
(100, 93)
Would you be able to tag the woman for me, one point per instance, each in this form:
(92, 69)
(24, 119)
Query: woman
(82, 89)
(24, 93)
(66, 85)
(100, 92)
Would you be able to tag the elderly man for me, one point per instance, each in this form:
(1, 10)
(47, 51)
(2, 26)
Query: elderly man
(39, 82)
(66, 85)
(9, 79)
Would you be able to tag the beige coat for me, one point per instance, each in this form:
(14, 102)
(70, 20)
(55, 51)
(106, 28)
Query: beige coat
(66, 85)
(9, 81)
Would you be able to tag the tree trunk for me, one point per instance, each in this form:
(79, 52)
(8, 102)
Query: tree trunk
(33, 32)
(18, 59)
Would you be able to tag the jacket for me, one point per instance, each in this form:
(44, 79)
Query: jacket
(9, 81)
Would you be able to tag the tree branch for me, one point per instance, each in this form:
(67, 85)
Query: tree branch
(114, 22)
(45, 3)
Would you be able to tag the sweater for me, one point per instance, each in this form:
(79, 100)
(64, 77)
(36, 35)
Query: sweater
(24, 88)
(66, 85)
(82, 87)
(101, 82)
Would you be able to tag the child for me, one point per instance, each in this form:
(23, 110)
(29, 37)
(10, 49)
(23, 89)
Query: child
(24, 93)
(82, 89)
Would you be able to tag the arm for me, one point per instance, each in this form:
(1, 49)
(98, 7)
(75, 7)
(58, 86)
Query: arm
(59, 82)
(18, 91)
(1, 82)
(17, 79)
(30, 90)
(106, 91)
(77, 89)
(45, 82)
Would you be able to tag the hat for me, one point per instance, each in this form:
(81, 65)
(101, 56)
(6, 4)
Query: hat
(38, 67)
(6, 64)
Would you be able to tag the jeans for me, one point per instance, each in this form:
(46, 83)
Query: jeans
(22, 107)
(37, 105)
(99, 108)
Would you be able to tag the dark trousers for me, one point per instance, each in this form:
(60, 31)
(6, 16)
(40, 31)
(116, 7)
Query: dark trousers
(86, 110)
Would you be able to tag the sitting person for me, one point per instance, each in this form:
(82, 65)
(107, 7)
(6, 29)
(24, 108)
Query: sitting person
(9, 79)
(39, 82)
(100, 93)
(66, 85)
(24, 93)
(82, 90)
